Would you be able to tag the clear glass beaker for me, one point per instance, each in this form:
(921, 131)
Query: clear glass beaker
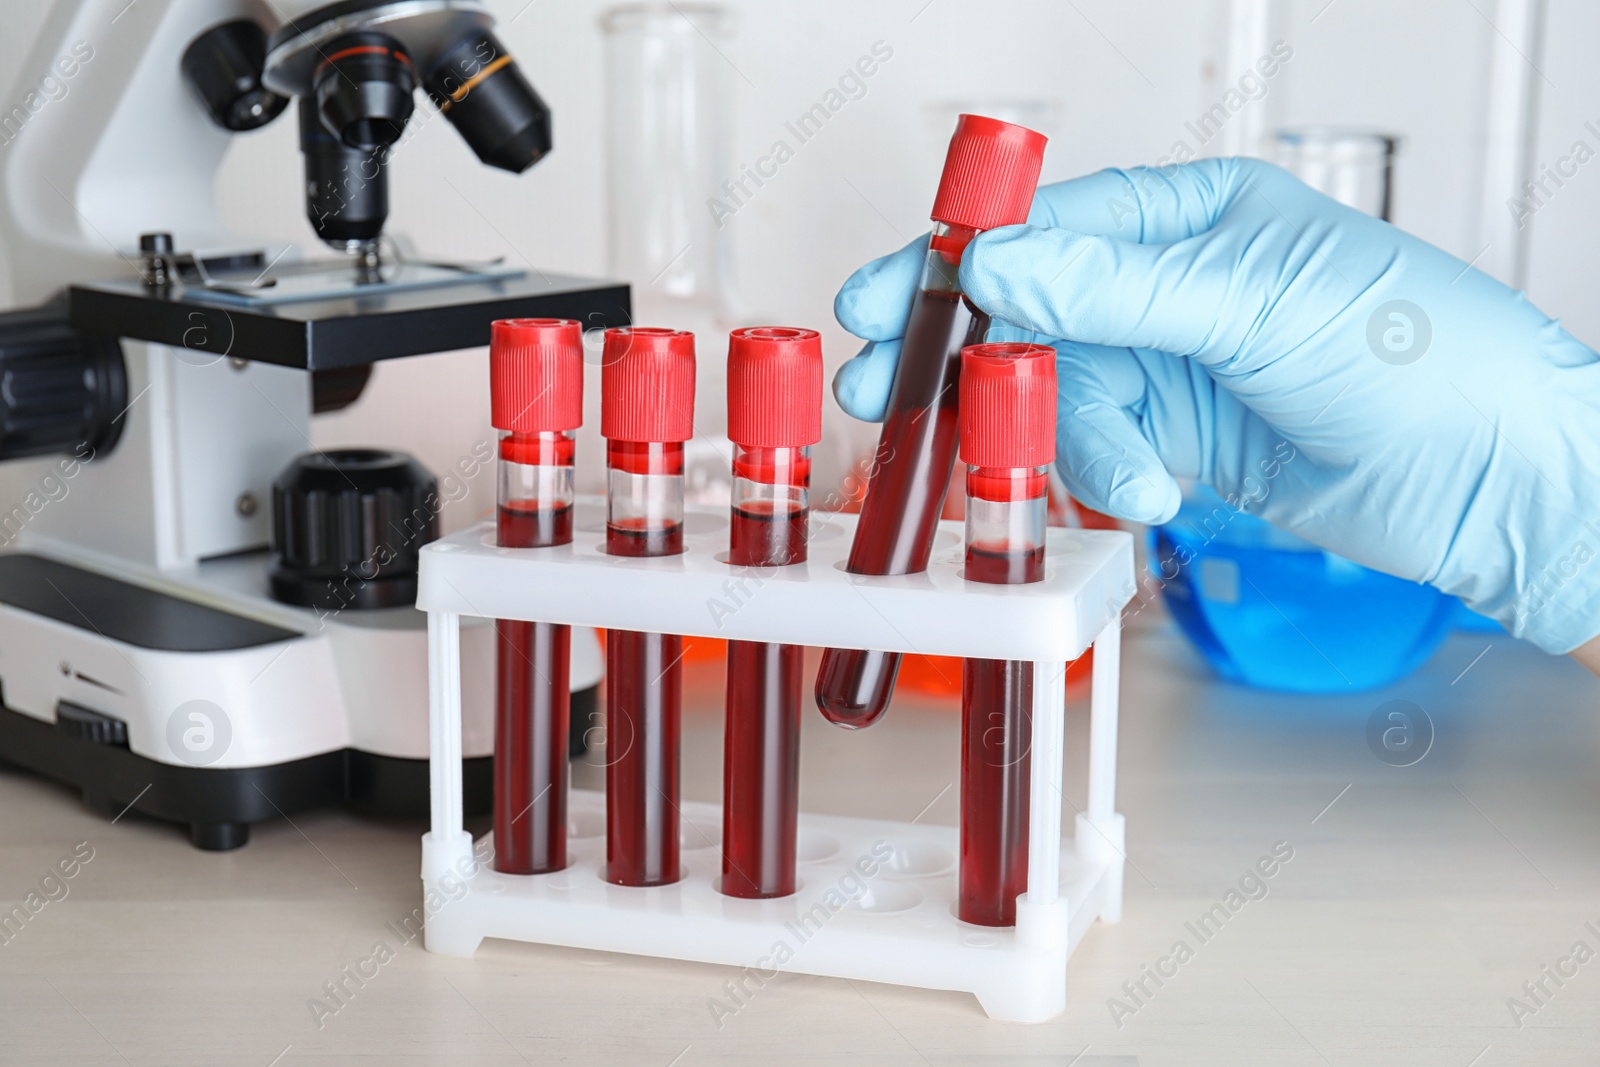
(1354, 167)
(667, 137)
(668, 102)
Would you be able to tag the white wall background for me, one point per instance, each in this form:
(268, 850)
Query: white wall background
(1112, 81)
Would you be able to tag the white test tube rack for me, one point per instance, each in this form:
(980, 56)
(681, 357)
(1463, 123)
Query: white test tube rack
(876, 900)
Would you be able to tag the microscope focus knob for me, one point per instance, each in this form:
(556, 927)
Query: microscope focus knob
(346, 528)
(223, 67)
(60, 390)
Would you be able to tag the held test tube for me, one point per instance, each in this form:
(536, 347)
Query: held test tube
(774, 415)
(1008, 439)
(536, 394)
(646, 413)
(989, 178)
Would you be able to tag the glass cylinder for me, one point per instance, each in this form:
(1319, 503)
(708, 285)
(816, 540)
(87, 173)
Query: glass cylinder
(1354, 167)
(667, 136)
(668, 85)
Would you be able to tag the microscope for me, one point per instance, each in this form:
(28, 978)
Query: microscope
(202, 617)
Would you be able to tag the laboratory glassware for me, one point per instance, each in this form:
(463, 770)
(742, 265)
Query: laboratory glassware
(1354, 167)
(1269, 609)
(666, 96)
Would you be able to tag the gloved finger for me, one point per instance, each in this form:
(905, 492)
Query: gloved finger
(874, 301)
(1103, 456)
(1100, 290)
(1147, 205)
(861, 386)
(1003, 332)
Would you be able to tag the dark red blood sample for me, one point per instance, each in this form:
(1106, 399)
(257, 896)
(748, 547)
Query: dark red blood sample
(1005, 567)
(761, 740)
(854, 685)
(533, 527)
(643, 707)
(905, 489)
(761, 782)
(638, 541)
(532, 698)
(643, 711)
(531, 727)
(996, 732)
(761, 538)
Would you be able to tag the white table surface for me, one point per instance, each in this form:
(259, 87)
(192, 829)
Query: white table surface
(1414, 906)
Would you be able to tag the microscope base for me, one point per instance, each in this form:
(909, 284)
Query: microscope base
(195, 699)
(218, 806)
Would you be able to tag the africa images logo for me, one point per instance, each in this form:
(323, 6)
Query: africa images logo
(1399, 332)
(199, 733)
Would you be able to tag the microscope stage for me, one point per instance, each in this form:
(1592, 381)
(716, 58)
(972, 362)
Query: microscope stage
(424, 309)
(331, 280)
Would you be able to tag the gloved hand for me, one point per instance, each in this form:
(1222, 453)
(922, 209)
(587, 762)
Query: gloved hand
(1352, 384)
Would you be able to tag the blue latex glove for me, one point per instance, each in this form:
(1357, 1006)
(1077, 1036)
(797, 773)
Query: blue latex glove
(1222, 321)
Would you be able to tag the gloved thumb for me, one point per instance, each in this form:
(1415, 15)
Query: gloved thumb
(1099, 290)
(861, 385)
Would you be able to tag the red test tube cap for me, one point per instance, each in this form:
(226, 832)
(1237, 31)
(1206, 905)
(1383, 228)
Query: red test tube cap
(535, 375)
(990, 174)
(647, 384)
(774, 387)
(1008, 405)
